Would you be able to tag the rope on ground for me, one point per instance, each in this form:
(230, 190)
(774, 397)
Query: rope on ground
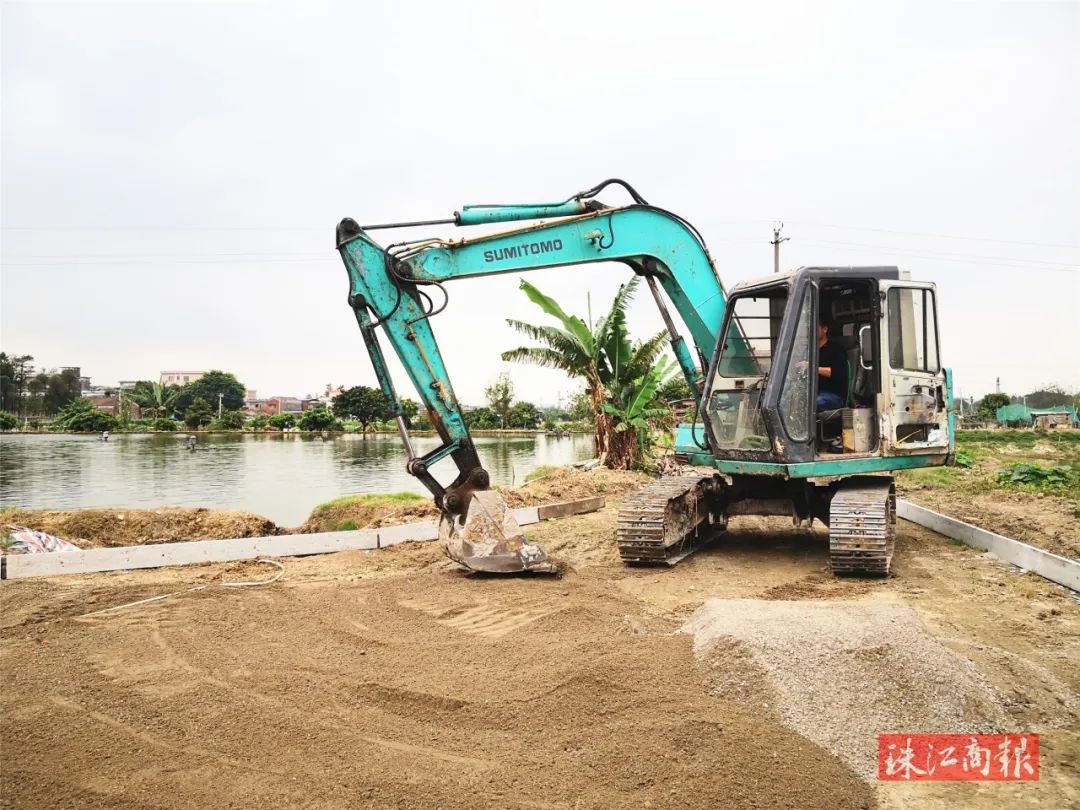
(141, 601)
(258, 582)
(250, 584)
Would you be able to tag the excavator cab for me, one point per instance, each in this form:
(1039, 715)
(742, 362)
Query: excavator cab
(761, 401)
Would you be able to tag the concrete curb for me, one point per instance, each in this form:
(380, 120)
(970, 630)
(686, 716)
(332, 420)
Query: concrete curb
(1049, 566)
(194, 552)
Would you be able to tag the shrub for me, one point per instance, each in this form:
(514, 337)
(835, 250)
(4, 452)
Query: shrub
(8, 421)
(319, 419)
(163, 425)
(282, 421)
(81, 416)
(230, 420)
(1038, 477)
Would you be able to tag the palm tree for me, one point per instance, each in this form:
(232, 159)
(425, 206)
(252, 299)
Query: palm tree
(155, 397)
(621, 378)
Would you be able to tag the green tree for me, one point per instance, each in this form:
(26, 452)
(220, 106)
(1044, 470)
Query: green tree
(362, 403)
(282, 421)
(986, 409)
(603, 356)
(524, 415)
(482, 419)
(409, 409)
(81, 416)
(198, 413)
(319, 419)
(674, 390)
(259, 421)
(581, 407)
(15, 373)
(61, 389)
(208, 387)
(500, 394)
(230, 420)
(1048, 397)
(8, 421)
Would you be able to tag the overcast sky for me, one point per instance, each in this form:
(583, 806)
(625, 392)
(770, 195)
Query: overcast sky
(172, 172)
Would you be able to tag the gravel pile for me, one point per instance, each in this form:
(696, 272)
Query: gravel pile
(841, 673)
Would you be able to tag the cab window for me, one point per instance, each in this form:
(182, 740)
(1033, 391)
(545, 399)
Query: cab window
(913, 343)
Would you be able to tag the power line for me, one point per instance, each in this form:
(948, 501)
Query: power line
(945, 253)
(941, 235)
(932, 257)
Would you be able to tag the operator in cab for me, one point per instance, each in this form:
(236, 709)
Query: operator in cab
(832, 371)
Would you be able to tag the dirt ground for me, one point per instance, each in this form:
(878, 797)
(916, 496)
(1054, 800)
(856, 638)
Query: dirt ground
(392, 679)
(1046, 521)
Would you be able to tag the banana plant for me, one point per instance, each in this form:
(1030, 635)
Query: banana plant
(621, 377)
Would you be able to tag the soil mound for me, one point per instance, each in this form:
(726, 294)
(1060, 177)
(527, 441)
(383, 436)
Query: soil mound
(562, 484)
(842, 673)
(369, 512)
(569, 484)
(97, 528)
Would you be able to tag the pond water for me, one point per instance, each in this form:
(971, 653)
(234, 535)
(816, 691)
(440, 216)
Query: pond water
(280, 476)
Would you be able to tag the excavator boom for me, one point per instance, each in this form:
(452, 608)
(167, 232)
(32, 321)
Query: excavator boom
(392, 288)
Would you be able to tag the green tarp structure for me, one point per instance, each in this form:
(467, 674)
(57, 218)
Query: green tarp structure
(1012, 414)
(1069, 409)
(1018, 413)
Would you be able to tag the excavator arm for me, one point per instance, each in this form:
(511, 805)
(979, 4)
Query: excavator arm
(400, 288)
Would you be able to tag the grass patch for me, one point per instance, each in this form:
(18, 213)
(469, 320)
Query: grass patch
(932, 476)
(368, 512)
(1021, 438)
(365, 500)
(540, 472)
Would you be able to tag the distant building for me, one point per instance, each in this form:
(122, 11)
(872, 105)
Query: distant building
(111, 405)
(180, 377)
(329, 393)
(276, 405)
(126, 385)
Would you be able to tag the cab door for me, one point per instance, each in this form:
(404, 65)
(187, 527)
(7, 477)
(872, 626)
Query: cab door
(913, 403)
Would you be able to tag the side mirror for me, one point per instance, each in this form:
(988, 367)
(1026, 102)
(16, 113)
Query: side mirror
(866, 348)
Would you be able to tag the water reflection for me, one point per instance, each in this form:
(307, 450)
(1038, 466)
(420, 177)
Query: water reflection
(281, 477)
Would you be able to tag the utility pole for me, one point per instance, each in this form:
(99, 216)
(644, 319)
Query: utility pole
(776, 240)
(220, 396)
(998, 388)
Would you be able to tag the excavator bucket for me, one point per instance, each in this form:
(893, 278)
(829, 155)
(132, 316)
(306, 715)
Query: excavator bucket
(490, 539)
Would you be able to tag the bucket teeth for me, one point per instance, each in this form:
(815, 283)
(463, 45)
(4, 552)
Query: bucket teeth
(491, 540)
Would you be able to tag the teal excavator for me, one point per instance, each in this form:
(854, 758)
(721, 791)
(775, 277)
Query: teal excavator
(758, 443)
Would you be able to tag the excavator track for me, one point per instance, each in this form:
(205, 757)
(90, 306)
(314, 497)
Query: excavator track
(862, 529)
(660, 524)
